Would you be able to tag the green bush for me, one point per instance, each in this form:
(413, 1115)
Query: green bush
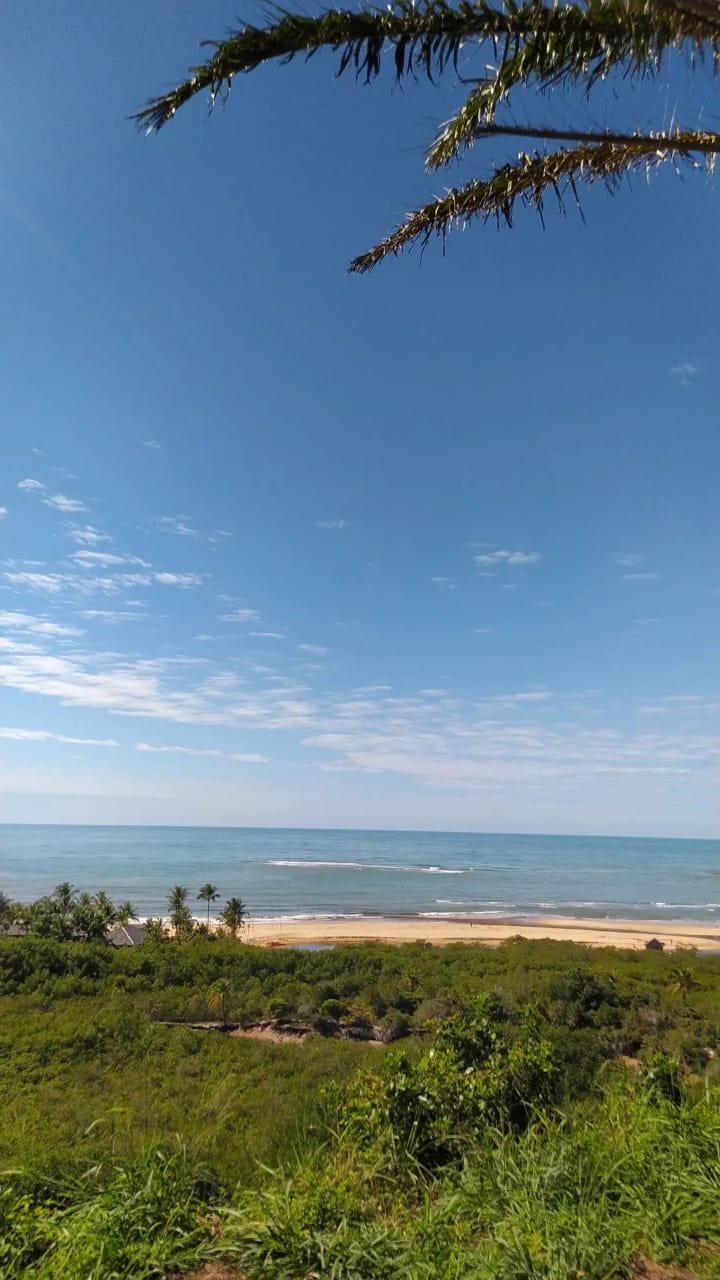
(471, 1078)
(332, 1010)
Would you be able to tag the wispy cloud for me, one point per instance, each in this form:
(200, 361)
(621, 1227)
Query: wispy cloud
(684, 697)
(439, 581)
(86, 584)
(151, 444)
(239, 756)
(640, 577)
(88, 535)
(332, 524)
(241, 615)
(507, 558)
(41, 626)
(43, 735)
(105, 559)
(319, 650)
(508, 744)
(268, 635)
(176, 524)
(518, 699)
(685, 371)
(629, 559)
(61, 503)
(113, 615)
(51, 583)
(30, 485)
(178, 579)
(3, 512)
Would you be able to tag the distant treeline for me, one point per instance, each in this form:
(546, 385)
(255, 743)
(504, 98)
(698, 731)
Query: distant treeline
(68, 915)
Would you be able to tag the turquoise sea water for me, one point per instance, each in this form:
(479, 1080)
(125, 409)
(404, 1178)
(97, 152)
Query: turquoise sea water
(304, 873)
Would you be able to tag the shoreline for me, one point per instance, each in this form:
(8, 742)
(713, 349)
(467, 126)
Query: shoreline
(633, 934)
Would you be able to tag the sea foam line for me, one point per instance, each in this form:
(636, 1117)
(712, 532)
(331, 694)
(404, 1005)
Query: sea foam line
(366, 866)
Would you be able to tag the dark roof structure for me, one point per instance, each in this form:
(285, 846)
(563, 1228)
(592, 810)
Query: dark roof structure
(127, 935)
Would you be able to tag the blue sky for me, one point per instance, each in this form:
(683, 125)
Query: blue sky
(435, 547)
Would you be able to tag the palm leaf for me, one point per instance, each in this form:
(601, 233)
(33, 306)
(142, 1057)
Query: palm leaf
(536, 44)
(579, 43)
(428, 36)
(606, 158)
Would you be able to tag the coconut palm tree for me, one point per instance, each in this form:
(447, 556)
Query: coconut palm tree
(209, 893)
(125, 913)
(180, 918)
(219, 998)
(65, 895)
(683, 982)
(234, 915)
(155, 930)
(5, 907)
(104, 915)
(535, 46)
(177, 898)
(53, 916)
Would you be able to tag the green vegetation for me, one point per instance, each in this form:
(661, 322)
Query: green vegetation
(552, 1112)
(234, 915)
(512, 49)
(66, 914)
(70, 916)
(209, 894)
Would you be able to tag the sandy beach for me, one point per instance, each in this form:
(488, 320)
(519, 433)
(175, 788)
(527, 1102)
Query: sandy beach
(595, 933)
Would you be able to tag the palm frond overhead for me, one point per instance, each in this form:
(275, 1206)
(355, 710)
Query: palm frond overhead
(599, 158)
(424, 37)
(580, 45)
(535, 45)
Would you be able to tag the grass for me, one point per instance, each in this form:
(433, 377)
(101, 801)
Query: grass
(132, 1221)
(580, 1195)
(577, 1195)
(104, 1086)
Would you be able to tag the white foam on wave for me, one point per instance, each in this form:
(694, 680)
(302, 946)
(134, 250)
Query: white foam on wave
(297, 917)
(449, 915)
(462, 902)
(365, 866)
(687, 906)
(306, 862)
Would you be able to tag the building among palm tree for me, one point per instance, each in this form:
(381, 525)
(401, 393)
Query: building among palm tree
(127, 935)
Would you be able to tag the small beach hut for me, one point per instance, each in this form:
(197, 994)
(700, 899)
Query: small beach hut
(654, 945)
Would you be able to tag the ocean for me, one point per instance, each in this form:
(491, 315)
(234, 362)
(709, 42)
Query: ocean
(300, 874)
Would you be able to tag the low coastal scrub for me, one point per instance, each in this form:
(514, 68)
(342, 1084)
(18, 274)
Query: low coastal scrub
(456, 1165)
(551, 1112)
